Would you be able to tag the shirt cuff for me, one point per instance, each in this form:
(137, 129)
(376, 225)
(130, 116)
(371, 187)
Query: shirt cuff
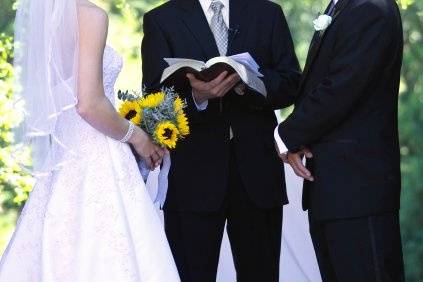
(201, 106)
(281, 146)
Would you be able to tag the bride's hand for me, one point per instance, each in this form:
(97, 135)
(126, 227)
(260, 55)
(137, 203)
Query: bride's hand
(145, 147)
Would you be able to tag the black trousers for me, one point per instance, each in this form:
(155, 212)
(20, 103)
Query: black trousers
(254, 234)
(363, 249)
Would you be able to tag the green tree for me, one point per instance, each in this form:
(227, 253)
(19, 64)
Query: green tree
(14, 183)
(6, 16)
(411, 124)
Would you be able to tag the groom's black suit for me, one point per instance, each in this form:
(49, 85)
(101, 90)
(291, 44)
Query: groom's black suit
(213, 178)
(346, 114)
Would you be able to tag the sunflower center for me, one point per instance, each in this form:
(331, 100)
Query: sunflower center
(167, 133)
(131, 114)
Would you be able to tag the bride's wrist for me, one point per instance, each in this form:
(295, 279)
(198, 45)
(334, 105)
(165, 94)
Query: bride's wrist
(129, 133)
(136, 137)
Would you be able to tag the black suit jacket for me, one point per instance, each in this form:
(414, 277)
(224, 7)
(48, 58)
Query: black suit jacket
(347, 112)
(199, 174)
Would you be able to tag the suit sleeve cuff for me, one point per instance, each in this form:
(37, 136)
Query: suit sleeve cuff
(281, 145)
(202, 106)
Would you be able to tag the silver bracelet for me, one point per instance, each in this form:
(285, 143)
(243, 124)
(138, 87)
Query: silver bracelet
(129, 133)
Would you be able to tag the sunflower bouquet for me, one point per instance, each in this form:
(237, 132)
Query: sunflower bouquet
(162, 116)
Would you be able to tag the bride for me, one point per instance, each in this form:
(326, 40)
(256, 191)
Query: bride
(89, 217)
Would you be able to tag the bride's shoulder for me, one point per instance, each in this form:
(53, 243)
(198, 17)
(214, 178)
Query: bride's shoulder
(93, 24)
(91, 16)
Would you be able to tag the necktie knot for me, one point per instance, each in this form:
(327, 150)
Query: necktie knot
(216, 6)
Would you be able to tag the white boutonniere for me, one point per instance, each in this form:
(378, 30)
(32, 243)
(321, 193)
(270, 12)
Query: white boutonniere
(322, 23)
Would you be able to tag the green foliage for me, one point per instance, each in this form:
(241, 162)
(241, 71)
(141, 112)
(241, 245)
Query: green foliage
(14, 183)
(6, 15)
(411, 125)
(128, 96)
(405, 3)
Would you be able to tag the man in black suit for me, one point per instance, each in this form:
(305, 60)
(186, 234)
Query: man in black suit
(345, 122)
(226, 170)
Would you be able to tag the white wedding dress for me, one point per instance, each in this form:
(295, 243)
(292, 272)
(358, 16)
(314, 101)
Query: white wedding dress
(93, 220)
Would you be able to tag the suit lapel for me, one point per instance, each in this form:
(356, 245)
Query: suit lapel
(238, 25)
(195, 20)
(313, 43)
(318, 39)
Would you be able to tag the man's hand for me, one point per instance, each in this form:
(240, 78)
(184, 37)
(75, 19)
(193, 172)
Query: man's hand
(282, 156)
(295, 160)
(216, 88)
(240, 89)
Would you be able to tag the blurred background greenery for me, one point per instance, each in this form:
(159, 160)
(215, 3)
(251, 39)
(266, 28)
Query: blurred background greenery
(125, 35)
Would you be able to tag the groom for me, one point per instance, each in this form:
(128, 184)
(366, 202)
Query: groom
(226, 170)
(345, 123)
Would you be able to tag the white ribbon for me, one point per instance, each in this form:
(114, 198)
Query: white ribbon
(162, 178)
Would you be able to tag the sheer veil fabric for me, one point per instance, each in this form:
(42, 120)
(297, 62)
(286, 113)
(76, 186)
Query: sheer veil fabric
(46, 62)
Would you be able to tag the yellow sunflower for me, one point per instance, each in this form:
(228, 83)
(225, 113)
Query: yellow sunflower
(152, 100)
(178, 105)
(182, 124)
(167, 134)
(132, 111)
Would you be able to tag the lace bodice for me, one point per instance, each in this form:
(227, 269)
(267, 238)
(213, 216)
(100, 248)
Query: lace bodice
(112, 65)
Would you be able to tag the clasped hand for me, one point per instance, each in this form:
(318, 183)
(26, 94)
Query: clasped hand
(145, 148)
(295, 160)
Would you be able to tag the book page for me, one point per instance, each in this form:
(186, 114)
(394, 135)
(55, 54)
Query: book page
(247, 76)
(173, 61)
(248, 61)
(248, 73)
(179, 64)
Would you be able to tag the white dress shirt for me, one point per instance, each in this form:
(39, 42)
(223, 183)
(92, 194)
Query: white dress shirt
(208, 12)
(281, 145)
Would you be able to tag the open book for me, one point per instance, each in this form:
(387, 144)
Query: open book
(243, 64)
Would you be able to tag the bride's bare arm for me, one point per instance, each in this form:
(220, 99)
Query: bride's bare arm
(93, 106)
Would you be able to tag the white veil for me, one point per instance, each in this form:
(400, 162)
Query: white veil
(46, 62)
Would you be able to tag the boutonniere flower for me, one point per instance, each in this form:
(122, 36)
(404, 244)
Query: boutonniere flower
(322, 23)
